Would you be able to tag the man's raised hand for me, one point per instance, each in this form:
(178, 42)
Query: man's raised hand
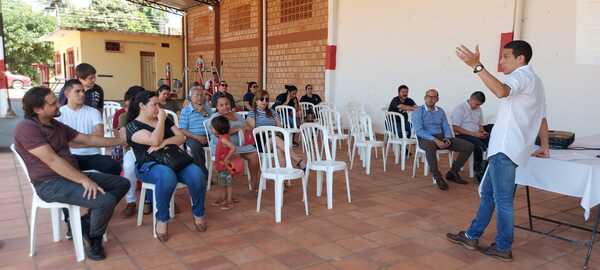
(470, 58)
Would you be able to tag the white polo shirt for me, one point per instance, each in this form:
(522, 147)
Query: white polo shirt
(519, 116)
(467, 118)
(84, 121)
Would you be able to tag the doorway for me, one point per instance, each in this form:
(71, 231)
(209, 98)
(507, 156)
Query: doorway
(148, 70)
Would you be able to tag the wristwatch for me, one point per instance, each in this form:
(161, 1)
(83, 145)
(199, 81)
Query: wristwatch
(478, 68)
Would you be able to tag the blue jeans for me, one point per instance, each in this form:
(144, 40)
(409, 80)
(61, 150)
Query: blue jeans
(166, 180)
(496, 192)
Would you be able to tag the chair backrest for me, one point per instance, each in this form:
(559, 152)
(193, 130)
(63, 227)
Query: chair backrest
(327, 119)
(315, 137)
(174, 116)
(365, 127)
(317, 108)
(108, 113)
(209, 133)
(24, 168)
(391, 125)
(354, 119)
(307, 107)
(287, 116)
(243, 114)
(266, 140)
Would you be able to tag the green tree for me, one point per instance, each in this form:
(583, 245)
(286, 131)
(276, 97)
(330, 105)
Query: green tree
(117, 15)
(22, 29)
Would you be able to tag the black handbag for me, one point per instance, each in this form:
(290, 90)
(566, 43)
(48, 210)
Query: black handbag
(172, 156)
(558, 139)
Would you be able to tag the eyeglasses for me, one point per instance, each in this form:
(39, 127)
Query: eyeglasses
(255, 86)
(266, 99)
(431, 96)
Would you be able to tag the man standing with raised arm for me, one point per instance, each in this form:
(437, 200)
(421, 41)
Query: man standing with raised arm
(521, 117)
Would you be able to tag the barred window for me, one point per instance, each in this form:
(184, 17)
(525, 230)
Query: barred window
(239, 18)
(294, 10)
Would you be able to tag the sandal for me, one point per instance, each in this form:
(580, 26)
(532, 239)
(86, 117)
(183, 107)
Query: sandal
(162, 237)
(200, 227)
(227, 206)
(218, 202)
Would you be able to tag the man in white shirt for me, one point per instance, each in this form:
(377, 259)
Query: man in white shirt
(467, 122)
(521, 118)
(86, 120)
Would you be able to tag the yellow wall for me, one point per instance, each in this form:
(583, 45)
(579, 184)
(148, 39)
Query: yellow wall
(125, 66)
(64, 40)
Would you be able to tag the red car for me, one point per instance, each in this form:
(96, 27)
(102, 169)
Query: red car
(17, 81)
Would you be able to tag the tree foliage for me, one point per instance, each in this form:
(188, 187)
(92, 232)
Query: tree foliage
(22, 29)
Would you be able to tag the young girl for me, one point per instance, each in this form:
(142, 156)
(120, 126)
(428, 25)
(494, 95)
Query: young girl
(226, 164)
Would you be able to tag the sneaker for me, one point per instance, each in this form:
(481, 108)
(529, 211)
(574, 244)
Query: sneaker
(129, 210)
(442, 185)
(68, 234)
(95, 250)
(493, 252)
(147, 208)
(462, 239)
(455, 177)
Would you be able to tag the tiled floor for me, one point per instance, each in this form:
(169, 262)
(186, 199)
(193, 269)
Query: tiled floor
(394, 222)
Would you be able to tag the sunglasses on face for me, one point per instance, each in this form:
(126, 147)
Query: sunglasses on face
(266, 99)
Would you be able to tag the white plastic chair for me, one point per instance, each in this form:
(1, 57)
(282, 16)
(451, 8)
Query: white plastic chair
(152, 187)
(313, 135)
(392, 134)
(108, 113)
(209, 152)
(287, 116)
(421, 153)
(331, 120)
(317, 108)
(272, 169)
(364, 140)
(37, 202)
(174, 116)
(307, 107)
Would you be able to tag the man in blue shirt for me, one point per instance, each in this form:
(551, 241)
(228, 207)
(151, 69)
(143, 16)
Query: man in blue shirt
(191, 123)
(434, 133)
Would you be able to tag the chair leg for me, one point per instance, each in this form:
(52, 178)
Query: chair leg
(55, 217)
(140, 213)
(348, 142)
(403, 157)
(319, 183)
(278, 199)
(329, 184)
(387, 148)
(384, 157)
(261, 186)
(75, 222)
(471, 166)
(347, 185)
(210, 174)
(426, 166)
(396, 153)
(247, 169)
(376, 153)
(415, 162)
(154, 210)
(172, 204)
(352, 156)
(333, 148)
(33, 228)
(305, 192)
(368, 159)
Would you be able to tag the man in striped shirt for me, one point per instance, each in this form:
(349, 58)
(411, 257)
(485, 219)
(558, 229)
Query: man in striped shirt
(191, 123)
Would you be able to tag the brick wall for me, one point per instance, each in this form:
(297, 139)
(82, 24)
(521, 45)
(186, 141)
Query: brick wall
(200, 37)
(296, 41)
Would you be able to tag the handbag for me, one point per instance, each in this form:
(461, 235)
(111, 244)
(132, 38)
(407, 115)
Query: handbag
(172, 156)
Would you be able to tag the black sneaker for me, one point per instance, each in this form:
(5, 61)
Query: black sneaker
(95, 250)
(440, 182)
(455, 177)
(493, 252)
(69, 234)
(462, 239)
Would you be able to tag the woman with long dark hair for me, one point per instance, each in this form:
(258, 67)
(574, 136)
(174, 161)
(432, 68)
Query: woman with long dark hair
(249, 96)
(148, 131)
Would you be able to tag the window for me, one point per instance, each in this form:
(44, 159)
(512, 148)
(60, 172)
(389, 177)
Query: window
(239, 18)
(112, 46)
(70, 68)
(165, 45)
(294, 10)
(57, 65)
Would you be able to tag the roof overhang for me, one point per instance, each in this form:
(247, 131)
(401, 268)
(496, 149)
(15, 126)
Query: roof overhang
(174, 6)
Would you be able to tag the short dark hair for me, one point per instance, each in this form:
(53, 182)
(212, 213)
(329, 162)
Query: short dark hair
(132, 92)
(290, 88)
(520, 47)
(69, 85)
(220, 124)
(479, 96)
(84, 70)
(34, 98)
(402, 87)
(163, 87)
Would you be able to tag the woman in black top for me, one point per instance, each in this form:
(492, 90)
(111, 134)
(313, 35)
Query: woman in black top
(148, 130)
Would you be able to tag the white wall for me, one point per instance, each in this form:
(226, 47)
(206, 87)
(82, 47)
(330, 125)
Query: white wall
(385, 43)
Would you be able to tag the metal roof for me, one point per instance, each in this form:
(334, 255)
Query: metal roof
(174, 6)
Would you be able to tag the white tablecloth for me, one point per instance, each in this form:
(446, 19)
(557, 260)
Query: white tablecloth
(569, 172)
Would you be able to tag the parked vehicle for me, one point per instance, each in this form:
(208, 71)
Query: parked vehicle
(17, 81)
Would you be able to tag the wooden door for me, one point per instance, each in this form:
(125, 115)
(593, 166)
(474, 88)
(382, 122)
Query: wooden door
(148, 71)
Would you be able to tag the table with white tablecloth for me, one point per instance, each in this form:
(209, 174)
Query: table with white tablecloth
(568, 172)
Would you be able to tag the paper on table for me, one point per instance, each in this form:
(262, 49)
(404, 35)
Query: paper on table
(568, 155)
